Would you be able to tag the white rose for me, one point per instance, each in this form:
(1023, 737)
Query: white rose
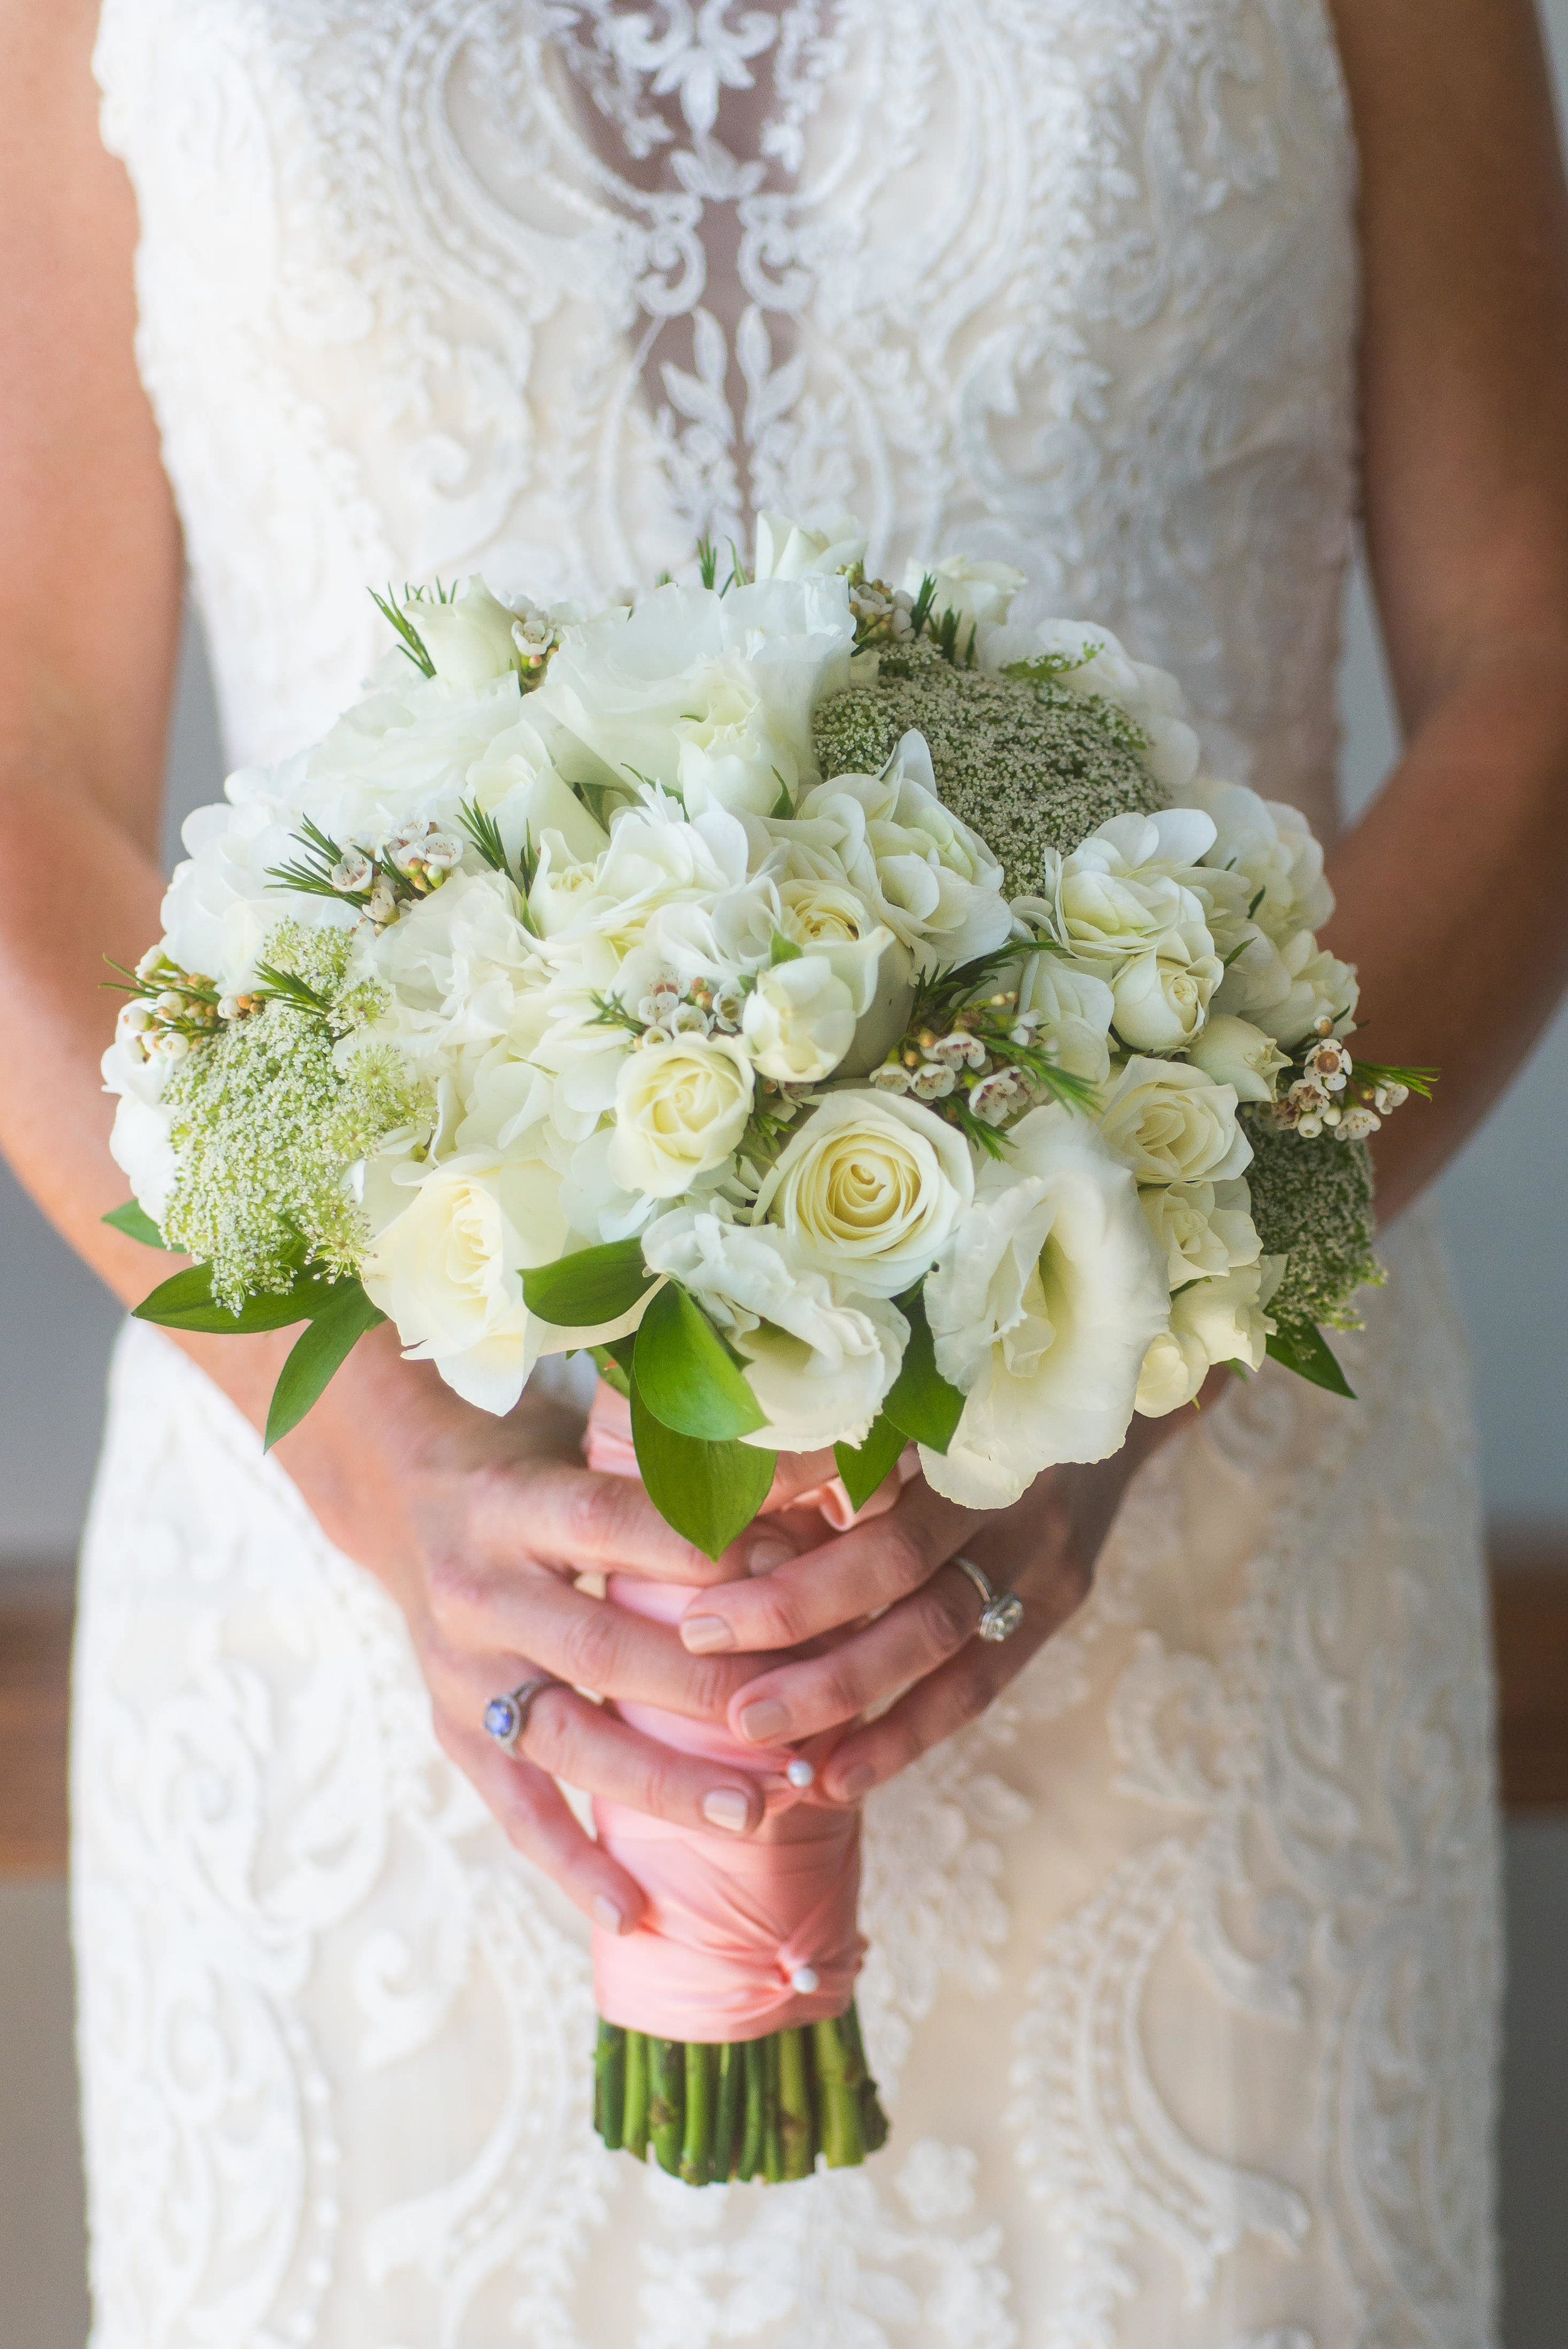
(1270, 846)
(975, 591)
(831, 919)
(798, 1022)
(819, 1369)
(786, 550)
(1128, 888)
(1073, 1004)
(680, 1109)
(656, 857)
(1042, 1308)
(470, 639)
(1099, 667)
(1162, 998)
(869, 1189)
(1235, 1053)
(1200, 1229)
(1171, 1123)
(1286, 990)
(1213, 1321)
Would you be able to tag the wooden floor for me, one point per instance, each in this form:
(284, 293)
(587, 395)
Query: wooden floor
(1530, 1586)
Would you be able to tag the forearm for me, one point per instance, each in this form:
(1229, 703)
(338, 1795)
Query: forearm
(1450, 899)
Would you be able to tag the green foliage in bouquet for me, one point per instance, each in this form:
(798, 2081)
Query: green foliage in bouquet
(1019, 757)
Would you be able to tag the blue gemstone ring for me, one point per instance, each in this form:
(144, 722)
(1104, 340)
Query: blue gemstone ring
(506, 1717)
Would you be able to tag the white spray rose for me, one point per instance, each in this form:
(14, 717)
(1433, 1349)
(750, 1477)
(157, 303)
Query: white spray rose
(974, 590)
(1073, 1005)
(1171, 1124)
(1286, 990)
(868, 1190)
(1128, 888)
(1220, 1320)
(1162, 998)
(787, 550)
(680, 1109)
(1200, 1229)
(1149, 696)
(1271, 848)
(1235, 1053)
(798, 1022)
(1042, 1307)
(819, 1369)
(470, 639)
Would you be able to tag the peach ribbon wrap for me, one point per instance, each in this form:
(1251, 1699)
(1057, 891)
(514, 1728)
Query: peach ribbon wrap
(730, 1919)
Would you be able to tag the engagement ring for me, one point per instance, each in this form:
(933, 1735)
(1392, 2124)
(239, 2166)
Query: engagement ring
(1001, 1611)
(506, 1717)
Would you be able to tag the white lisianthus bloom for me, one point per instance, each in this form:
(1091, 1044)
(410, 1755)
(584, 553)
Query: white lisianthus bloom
(626, 683)
(1128, 887)
(141, 1141)
(831, 919)
(1161, 1000)
(733, 755)
(1171, 1124)
(1042, 1307)
(819, 1368)
(454, 965)
(868, 1190)
(1234, 1052)
(470, 639)
(976, 591)
(798, 1022)
(1200, 1229)
(921, 871)
(1099, 667)
(680, 1109)
(656, 857)
(1212, 1322)
(787, 550)
(1286, 990)
(1270, 846)
(515, 783)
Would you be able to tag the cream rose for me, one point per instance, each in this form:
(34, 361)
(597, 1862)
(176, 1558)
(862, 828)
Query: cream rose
(798, 1022)
(1200, 1229)
(868, 1190)
(1234, 1052)
(1171, 1123)
(1162, 998)
(1073, 1005)
(1220, 1320)
(680, 1110)
(1042, 1308)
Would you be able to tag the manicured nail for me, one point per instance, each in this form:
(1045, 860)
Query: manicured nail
(607, 1913)
(764, 1556)
(800, 1772)
(764, 1719)
(727, 1808)
(705, 1635)
(855, 1782)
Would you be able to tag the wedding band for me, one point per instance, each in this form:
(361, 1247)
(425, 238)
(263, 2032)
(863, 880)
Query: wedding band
(1001, 1611)
(506, 1717)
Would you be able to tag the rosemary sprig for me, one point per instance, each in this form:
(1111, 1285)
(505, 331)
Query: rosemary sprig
(413, 644)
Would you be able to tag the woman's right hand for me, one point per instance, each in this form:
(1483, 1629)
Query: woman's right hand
(479, 1528)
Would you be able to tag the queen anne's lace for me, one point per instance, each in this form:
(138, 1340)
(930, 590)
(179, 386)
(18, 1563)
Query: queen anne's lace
(541, 288)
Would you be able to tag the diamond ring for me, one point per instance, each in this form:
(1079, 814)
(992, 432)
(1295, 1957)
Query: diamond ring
(506, 1717)
(1001, 1611)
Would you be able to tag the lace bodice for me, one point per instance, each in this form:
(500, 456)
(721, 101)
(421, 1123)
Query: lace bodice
(546, 288)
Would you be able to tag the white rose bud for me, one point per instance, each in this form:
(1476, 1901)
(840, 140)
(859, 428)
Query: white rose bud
(470, 640)
(786, 551)
(1160, 999)
(680, 1109)
(798, 1022)
(1235, 1053)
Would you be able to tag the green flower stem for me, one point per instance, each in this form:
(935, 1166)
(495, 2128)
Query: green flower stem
(667, 2101)
(697, 2146)
(635, 2115)
(772, 2138)
(610, 2083)
(796, 2120)
(873, 2120)
(751, 2122)
(838, 2097)
(731, 2078)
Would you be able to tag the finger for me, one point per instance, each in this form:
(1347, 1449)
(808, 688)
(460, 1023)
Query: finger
(946, 1701)
(538, 1821)
(576, 1518)
(797, 1699)
(572, 1738)
(838, 1581)
(797, 1473)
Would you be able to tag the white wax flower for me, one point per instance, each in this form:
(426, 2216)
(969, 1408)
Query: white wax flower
(799, 1021)
(868, 1190)
(1171, 1123)
(1220, 1320)
(819, 1367)
(680, 1109)
(1234, 1052)
(1042, 1307)
(1149, 696)
(789, 550)
(1200, 1229)
(971, 589)
(470, 639)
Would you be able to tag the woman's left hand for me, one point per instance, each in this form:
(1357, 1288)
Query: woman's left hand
(921, 1648)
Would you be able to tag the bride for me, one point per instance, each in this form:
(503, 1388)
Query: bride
(1182, 1902)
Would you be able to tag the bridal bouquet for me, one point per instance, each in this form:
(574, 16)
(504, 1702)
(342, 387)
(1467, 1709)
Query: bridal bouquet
(843, 1010)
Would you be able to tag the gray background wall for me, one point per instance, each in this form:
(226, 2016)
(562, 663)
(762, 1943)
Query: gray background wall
(1505, 1209)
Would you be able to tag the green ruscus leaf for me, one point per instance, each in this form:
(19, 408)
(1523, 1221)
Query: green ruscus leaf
(185, 1302)
(1302, 1346)
(708, 1493)
(134, 1221)
(594, 1286)
(687, 1376)
(863, 1470)
(334, 1331)
(921, 1402)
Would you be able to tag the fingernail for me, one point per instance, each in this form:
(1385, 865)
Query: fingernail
(704, 1635)
(764, 1556)
(607, 1913)
(855, 1782)
(727, 1808)
(767, 1718)
(800, 1772)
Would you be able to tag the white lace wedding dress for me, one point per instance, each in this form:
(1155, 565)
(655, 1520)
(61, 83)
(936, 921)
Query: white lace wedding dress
(1184, 1967)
